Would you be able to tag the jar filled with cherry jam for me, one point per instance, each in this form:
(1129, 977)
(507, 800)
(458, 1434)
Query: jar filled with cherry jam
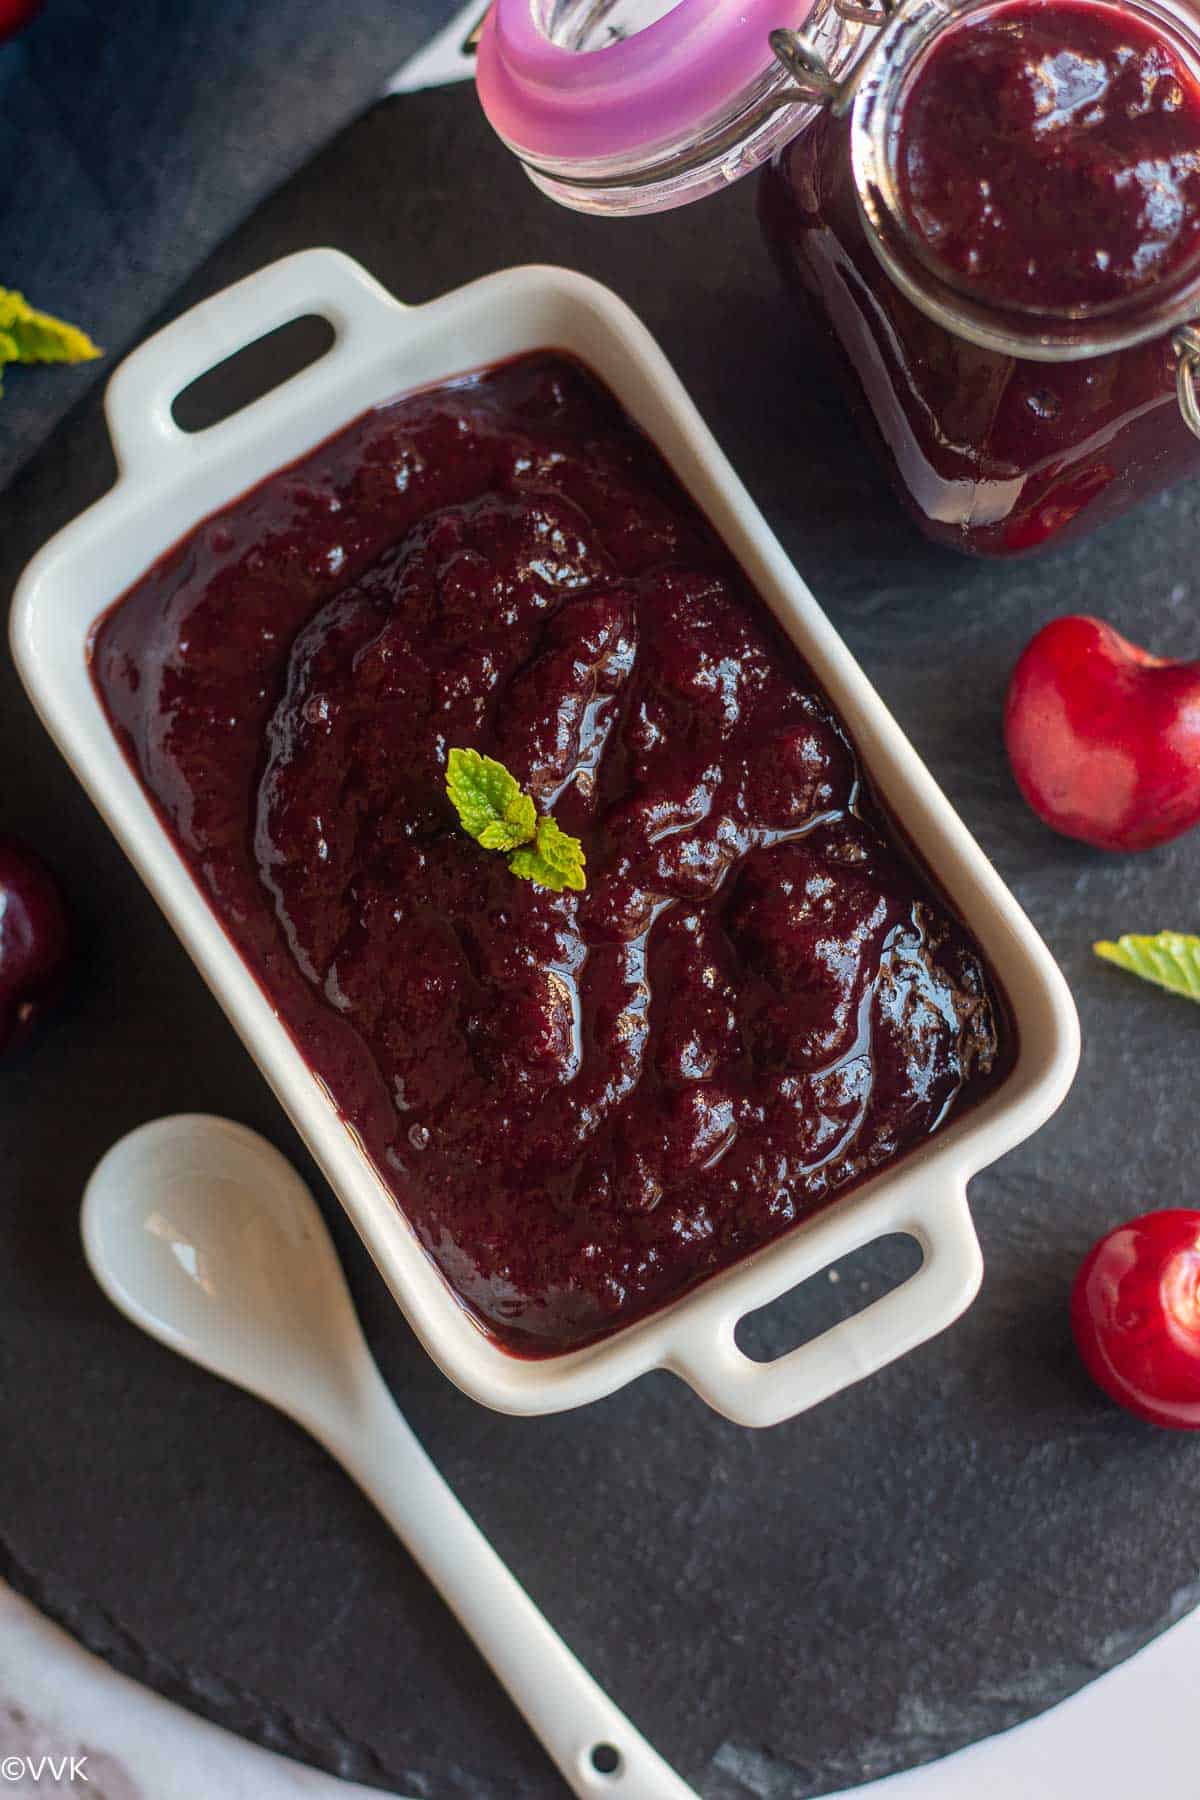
(999, 221)
(993, 207)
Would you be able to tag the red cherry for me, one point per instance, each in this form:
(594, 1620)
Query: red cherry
(33, 940)
(1104, 739)
(15, 15)
(1135, 1312)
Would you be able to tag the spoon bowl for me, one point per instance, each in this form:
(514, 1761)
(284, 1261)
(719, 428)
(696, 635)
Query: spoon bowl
(205, 1236)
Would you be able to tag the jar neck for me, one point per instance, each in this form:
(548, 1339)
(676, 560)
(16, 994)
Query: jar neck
(874, 98)
(631, 108)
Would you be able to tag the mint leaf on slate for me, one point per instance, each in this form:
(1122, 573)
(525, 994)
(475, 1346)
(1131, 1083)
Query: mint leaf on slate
(1171, 960)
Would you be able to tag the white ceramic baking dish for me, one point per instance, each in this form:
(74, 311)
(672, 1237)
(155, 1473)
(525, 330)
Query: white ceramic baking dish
(169, 481)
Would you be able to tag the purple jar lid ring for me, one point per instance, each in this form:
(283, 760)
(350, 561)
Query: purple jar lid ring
(655, 87)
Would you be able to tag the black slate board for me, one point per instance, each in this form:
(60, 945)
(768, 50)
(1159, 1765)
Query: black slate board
(948, 1548)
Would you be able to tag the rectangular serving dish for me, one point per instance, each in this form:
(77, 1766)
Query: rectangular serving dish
(170, 480)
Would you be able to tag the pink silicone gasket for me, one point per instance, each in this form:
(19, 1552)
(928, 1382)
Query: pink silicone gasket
(649, 89)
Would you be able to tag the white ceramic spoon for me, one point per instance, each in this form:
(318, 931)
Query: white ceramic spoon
(205, 1236)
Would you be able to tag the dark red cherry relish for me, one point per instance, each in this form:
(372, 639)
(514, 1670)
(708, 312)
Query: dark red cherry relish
(1049, 154)
(584, 1103)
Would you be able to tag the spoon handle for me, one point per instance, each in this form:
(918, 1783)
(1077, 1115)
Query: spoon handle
(594, 1745)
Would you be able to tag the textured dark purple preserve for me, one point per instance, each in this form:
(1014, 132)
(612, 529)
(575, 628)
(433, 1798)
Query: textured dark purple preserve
(1049, 154)
(584, 1103)
(1048, 157)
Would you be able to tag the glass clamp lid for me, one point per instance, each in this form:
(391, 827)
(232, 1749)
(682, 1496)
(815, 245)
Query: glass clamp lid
(634, 106)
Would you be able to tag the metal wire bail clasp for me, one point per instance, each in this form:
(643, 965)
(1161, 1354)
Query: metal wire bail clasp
(808, 69)
(811, 75)
(1187, 348)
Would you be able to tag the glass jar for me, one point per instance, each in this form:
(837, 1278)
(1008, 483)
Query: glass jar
(1006, 426)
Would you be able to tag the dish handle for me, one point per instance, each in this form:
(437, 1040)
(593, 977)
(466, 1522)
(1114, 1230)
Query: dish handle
(142, 391)
(766, 1393)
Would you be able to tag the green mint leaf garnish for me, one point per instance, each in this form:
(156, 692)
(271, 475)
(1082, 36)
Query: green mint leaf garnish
(1170, 960)
(29, 336)
(555, 860)
(490, 805)
(492, 809)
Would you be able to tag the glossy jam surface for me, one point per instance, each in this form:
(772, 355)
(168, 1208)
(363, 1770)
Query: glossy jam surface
(995, 455)
(1049, 154)
(584, 1103)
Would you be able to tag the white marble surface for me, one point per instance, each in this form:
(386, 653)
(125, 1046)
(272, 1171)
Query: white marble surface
(1129, 1733)
(58, 1701)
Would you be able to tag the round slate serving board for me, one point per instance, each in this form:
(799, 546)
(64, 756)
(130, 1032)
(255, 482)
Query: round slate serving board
(946, 1549)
